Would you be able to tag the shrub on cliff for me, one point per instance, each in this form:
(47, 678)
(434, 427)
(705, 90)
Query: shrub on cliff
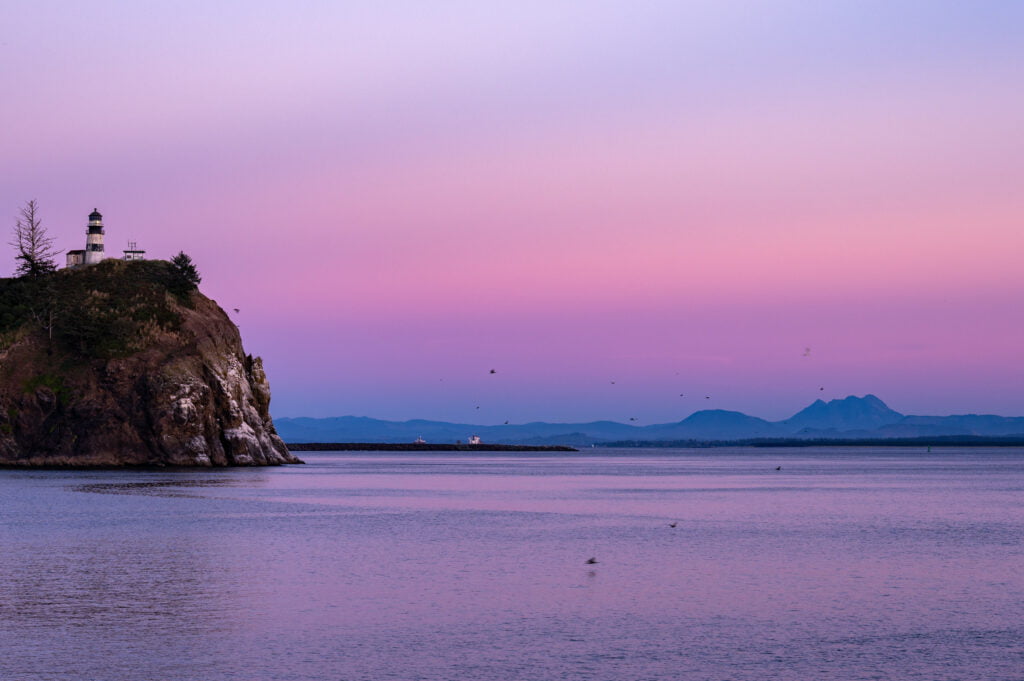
(105, 310)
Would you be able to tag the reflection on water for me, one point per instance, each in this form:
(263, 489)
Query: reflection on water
(161, 488)
(846, 564)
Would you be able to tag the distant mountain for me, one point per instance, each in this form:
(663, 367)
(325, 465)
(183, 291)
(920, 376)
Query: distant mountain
(851, 413)
(851, 417)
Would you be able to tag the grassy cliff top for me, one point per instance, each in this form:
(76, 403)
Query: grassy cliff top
(104, 310)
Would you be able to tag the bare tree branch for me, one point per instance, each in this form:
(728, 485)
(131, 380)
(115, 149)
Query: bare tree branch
(35, 248)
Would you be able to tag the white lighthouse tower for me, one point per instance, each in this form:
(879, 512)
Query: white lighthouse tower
(94, 239)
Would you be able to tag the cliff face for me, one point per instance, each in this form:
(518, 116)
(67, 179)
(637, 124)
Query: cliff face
(111, 369)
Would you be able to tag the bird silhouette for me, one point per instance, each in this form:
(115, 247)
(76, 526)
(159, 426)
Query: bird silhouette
(707, 397)
(821, 388)
(674, 523)
(493, 371)
(506, 422)
(237, 310)
(591, 561)
(632, 418)
(778, 468)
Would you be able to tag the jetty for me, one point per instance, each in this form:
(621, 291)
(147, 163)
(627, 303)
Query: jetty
(419, 447)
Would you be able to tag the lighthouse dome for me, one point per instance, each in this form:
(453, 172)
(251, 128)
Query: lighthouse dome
(95, 215)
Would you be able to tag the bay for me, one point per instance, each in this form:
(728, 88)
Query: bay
(866, 563)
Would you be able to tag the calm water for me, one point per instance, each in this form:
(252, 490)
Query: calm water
(846, 564)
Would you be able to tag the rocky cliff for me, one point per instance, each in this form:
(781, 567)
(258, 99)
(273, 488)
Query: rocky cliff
(120, 364)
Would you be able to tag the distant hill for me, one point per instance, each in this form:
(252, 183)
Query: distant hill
(847, 418)
(363, 429)
(966, 424)
(712, 424)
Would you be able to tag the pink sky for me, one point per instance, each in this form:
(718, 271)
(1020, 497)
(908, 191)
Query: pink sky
(679, 197)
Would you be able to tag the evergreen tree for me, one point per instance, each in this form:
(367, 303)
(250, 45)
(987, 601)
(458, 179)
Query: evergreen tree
(186, 276)
(35, 248)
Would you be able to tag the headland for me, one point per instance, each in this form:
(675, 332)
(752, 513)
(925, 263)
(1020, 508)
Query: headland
(126, 363)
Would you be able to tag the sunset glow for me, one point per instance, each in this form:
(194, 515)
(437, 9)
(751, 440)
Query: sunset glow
(678, 197)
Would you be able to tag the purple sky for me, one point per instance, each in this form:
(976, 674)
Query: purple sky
(678, 197)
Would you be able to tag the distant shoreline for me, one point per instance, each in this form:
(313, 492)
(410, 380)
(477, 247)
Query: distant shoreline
(925, 441)
(761, 443)
(418, 447)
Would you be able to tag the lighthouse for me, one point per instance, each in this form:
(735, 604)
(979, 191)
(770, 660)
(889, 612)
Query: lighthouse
(94, 251)
(94, 239)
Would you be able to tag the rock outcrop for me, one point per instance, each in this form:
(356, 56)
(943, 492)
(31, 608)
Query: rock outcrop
(113, 365)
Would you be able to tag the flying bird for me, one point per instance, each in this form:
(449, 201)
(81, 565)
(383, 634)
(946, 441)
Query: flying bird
(778, 468)
(591, 561)
(237, 310)
(632, 418)
(707, 397)
(506, 422)
(493, 371)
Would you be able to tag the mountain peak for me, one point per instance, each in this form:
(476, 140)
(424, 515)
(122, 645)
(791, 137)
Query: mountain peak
(848, 413)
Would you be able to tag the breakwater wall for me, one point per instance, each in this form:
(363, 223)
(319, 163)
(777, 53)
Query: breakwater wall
(413, 447)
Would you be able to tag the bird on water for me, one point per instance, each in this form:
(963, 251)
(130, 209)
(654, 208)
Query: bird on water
(673, 523)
